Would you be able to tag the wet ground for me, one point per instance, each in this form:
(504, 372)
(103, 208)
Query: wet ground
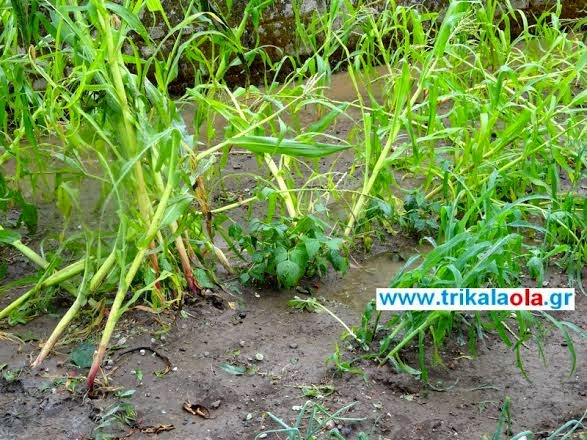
(282, 351)
(240, 330)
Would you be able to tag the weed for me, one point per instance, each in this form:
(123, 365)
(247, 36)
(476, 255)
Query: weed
(314, 421)
(116, 416)
(288, 250)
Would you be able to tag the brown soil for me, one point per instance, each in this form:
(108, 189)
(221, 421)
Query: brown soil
(294, 346)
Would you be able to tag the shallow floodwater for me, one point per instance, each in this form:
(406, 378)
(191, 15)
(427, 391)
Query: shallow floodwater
(358, 286)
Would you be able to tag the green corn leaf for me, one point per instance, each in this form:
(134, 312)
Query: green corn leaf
(289, 147)
(131, 19)
(8, 237)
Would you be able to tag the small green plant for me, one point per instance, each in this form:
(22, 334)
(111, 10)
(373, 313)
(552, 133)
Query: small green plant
(573, 429)
(139, 375)
(285, 251)
(315, 421)
(10, 375)
(421, 216)
(115, 417)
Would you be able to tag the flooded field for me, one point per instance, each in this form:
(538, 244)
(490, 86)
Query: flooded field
(203, 266)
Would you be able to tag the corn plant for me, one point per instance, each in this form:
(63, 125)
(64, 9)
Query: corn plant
(150, 168)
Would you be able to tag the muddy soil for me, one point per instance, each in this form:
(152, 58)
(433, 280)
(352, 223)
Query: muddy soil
(294, 346)
(240, 326)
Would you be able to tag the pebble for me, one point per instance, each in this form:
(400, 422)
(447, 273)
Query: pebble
(263, 435)
(174, 369)
(293, 345)
(206, 354)
(248, 417)
(122, 341)
(142, 352)
(242, 343)
(153, 340)
(297, 407)
(216, 404)
(259, 357)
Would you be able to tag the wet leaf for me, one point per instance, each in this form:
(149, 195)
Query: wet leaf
(123, 394)
(8, 237)
(318, 390)
(157, 429)
(290, 147)
(196, 409)
(232, 369)
(83, 354)
(289, 273)
(312, 247)
(204, 279)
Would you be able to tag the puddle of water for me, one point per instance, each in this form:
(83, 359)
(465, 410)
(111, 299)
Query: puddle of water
(358, 286)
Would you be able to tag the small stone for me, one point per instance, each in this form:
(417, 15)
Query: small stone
(293, 345)
(109, 362)
(163, 337)
(153, 340)
(296, 407)
(263, 435)
(122, 341)
(163, 411)
(248, 417)
(216, 404)
(174, 369)
(142, 352)
(242, 343)
(259, 357)
(39, 84)
(206, 354)
(242, 315)
(545, 284)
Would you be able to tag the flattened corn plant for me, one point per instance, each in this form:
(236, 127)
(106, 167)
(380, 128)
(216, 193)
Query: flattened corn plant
(101, 116)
